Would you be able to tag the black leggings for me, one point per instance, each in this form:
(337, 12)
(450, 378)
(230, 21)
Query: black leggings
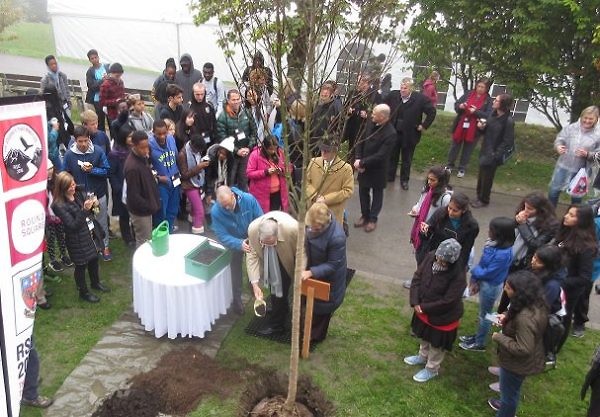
(92, 267)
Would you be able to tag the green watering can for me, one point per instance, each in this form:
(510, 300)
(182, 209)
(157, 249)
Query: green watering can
(160, 239)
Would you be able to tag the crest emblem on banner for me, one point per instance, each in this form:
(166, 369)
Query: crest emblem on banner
(29, 286)
(22, 152)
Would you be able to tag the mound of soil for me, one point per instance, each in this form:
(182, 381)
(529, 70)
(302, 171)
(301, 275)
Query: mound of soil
(175, 386)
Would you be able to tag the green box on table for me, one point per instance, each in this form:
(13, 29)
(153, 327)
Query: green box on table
(205, 271)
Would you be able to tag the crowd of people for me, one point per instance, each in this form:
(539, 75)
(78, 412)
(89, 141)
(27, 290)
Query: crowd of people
(217, 157)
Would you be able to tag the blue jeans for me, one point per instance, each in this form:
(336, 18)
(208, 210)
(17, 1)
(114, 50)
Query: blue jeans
(559, 182)
(169, 205)
(488, 294)
(30, 386)
(510, 393)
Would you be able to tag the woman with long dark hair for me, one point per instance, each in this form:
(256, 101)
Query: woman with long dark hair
(535, 225)
(455, 221)
(435, 195)
(77, 218)
(521, 342)
(266, 173)
(184, 128)
(472, 106)
(577, 239)
(498, 137)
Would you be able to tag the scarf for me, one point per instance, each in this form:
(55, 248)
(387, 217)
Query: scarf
(193, 159)
(445, 328)
(468, 134)
(520, 248)
(415, 235)
(272, 271)
(438, 267)
(221, 172)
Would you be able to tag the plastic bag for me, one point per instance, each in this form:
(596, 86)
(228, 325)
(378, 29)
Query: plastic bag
(578, 187)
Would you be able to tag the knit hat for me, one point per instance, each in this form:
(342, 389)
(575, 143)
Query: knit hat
(116, 68)
(448, 250)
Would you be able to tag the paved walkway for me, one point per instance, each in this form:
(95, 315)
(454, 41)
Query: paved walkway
(35, 66)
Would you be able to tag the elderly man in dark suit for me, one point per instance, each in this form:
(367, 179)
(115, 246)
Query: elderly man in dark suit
(371, 162)
(407, 109)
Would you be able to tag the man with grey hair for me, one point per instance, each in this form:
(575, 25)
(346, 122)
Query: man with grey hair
(372, 158)
(407, 110)
(231, 216)
(273, 240)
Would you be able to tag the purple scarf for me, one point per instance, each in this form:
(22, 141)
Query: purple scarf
(415, 237)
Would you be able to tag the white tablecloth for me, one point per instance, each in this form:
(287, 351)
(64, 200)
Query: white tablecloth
(167, 300)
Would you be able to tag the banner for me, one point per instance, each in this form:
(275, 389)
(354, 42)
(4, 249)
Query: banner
(23, 174)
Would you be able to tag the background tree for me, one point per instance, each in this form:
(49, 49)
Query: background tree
(303, 40)
(10, 13)
(542, 49)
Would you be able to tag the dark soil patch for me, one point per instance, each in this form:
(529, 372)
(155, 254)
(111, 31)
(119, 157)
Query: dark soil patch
(180, 380)
(207, 256)
(129, 402)
(266, 394)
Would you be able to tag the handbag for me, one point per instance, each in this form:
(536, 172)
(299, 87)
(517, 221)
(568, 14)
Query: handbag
(578, 187)
(98, 235)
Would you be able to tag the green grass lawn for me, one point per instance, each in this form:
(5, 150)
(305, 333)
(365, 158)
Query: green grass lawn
(359, 366)
(35, 40)
(530, 167)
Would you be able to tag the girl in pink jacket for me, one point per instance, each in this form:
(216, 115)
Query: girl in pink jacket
(266, 174)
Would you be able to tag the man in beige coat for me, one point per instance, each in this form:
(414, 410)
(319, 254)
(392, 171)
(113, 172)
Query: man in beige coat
(272, 239)
(329, 180)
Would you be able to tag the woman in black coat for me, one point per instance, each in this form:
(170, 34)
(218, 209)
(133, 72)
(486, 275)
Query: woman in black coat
(455, 221)
(499, 137)
(76, 216)
(577, 239)
(436, 296)
(326, 261)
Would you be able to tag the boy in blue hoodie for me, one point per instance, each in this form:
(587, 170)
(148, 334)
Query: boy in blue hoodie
(163, 155)
(488, 277)
(89, 166)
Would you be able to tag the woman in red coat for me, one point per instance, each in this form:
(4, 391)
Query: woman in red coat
(266, 174)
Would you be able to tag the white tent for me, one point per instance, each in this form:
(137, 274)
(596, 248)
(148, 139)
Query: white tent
(135, 33)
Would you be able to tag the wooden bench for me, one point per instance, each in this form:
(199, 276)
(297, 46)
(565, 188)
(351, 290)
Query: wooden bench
(146, 95)
(19, 84)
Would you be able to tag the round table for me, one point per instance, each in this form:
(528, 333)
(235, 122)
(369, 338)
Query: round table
(169, 301)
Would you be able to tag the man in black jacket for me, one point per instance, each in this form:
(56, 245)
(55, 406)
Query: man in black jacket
(407, 107)
(141, 194)
(371, 163)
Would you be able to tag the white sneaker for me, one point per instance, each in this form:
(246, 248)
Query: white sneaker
(494, 370)
(414, 360)
(495, 386)
(461, 173)
(425, 375)
(197, 230)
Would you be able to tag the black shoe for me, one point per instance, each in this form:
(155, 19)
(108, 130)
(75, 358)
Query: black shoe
(270, 331)
(89, 297)
(101, 287)
(44, 306)
(404, 185)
